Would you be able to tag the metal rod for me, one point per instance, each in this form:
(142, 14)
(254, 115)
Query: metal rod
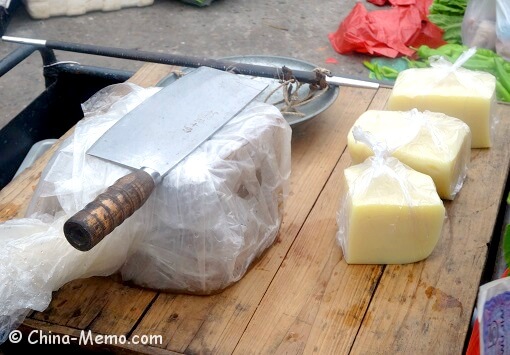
(14, 58)
(99, 72)
(48, 56)
(192, 62)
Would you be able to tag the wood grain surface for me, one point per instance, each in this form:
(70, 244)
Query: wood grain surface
(300, 296)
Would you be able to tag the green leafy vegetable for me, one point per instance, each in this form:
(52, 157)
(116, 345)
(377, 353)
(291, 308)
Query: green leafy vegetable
(502, 93)
(451, 25)
(506, 237)
(386, 69)
(506, 245)
(448, 7)
(501, 74)
(448, 15)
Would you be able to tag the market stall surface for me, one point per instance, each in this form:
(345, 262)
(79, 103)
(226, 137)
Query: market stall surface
(300, 296)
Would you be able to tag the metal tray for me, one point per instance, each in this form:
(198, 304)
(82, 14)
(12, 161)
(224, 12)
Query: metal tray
(310, 109)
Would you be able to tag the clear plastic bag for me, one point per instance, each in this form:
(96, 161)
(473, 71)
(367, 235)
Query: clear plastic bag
(389, 214)
(503, 28)
(446, 87)
(467, 78)
(430, 142)
(479, 24)
(199, 231)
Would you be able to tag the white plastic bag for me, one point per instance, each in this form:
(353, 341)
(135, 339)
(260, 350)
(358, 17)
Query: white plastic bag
(389, 213)
(479, 24)
(503, 28)
(199, 231)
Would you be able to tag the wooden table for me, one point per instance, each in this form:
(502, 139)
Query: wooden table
(301, 296)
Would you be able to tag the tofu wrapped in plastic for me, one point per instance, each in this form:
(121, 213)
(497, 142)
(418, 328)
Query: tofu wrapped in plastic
(447, 88)
(198, 232)
(390, 213)
(429, 142)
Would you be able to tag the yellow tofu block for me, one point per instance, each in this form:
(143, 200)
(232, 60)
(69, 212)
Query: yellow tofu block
(391, 215)
(465, 94)
(430, 142)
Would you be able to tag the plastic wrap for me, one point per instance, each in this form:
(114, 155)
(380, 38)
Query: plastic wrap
(503, 28)
(389, 214)
(479, 24)
(429, 142)
(447, 70)
(443, 74)
(450, 89)
(199, 231)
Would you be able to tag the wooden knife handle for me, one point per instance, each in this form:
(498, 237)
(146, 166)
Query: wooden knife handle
(108, 210)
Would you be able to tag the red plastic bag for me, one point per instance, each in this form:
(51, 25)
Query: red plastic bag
(392, 2)
(387, 33)
(378, 2)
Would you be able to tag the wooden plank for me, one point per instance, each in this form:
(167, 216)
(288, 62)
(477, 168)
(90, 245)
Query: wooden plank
(118, 316)
(152, 74)
(217, 325)
(316, 301)
(92, 304)
(426, 307)
(77, 303)
(179, 318)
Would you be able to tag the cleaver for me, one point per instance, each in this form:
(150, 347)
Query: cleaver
(152, 139)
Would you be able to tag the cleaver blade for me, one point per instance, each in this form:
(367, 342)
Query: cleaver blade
(152, 139)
